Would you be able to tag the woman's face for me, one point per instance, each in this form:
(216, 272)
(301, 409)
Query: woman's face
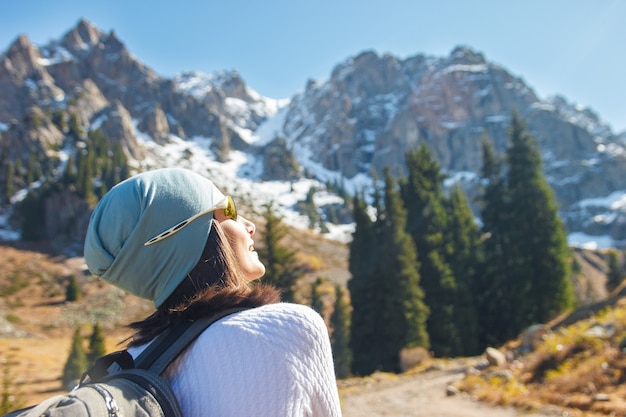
(239, 233)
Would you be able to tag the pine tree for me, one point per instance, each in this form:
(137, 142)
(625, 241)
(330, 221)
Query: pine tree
(30, 168)
(366, 298)
(340, 324)
(59, 118)
(11, 398)
(403, 267)
(120, 166)
(75, 128)
(72, 290)
(97, 346)
(422, 193)
(615, 273)
(84, 175)
(465, 260)
(282, 269)
(10, 178)
(69, 173)
(76, 362)
(495, 290)
(540, 243)
(317, 303)
(388, 303)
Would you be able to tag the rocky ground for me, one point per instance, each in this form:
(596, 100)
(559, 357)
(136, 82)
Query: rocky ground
(424, 394)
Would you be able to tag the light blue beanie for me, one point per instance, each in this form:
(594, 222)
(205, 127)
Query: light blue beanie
(138, 209)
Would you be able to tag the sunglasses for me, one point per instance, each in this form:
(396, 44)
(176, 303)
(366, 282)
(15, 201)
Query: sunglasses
(230, 211)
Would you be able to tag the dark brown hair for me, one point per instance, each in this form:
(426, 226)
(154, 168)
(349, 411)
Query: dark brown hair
(214, 284)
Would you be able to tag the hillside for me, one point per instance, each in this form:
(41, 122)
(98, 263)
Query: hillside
(36, 324)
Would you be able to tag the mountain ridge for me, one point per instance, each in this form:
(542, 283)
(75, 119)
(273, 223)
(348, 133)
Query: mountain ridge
(364, 117)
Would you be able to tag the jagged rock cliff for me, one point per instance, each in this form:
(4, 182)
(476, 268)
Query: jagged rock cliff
(375, 108)
(371, 110)
(89, 71)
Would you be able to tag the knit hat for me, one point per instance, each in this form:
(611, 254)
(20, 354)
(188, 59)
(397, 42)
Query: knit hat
(138, 209)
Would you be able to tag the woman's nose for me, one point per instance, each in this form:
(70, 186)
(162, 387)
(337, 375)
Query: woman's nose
(250, 227)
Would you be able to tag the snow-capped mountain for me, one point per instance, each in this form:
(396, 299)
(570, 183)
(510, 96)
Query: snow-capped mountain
(375, 108)
(364, 117)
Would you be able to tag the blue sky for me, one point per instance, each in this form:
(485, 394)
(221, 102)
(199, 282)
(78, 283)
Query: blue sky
(576, 48)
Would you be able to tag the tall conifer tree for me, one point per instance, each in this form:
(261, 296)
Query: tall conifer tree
(317, 303)
(465, 259)
(10, 177)
(537, 233)
(403, 310)
(496, 288)
(340, 323)
(615, 273)
(97, 346)
(364, 295)
(422, 193)
(72, 290)
(282, 269)
(76, 362)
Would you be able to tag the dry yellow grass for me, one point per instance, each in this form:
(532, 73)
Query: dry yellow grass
(38, 325)
(580, 368)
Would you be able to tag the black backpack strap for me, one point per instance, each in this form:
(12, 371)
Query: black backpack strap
(167, 346)
(107, 365)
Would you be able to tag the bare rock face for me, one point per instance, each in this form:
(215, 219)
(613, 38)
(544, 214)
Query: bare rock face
(156, 125)
(89, 101)
(381, 107)
(24, 81)
(373, 109)
(35, 135)
(118, 127)
(279, 164)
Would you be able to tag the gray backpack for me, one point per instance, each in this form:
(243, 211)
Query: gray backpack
(118, 386)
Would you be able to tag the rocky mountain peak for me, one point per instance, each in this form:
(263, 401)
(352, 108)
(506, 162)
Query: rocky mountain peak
(83, 36)
(22, 57)
(366, 75)
(232, 84)
(373, 109)
(24, 81)
(112, 43)
(466, 55)
(20, 43)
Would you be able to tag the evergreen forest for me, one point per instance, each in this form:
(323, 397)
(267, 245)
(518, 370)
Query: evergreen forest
(95, 164)
(425, 273)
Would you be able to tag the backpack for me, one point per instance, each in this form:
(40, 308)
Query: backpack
(118, 386)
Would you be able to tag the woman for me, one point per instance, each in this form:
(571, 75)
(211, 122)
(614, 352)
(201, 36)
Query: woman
(171, 236)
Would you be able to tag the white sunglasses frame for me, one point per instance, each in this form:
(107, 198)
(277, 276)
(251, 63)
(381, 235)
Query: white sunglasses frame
(230, 210)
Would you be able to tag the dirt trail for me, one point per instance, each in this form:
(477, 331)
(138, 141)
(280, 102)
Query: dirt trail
(421, 395)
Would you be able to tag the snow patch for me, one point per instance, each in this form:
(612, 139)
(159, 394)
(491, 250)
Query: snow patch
(614, 201)
(585, 241)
